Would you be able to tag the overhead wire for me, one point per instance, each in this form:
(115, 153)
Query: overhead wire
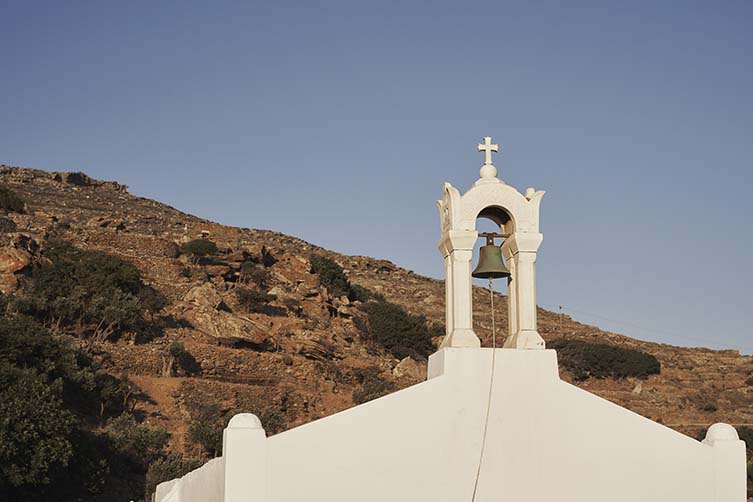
(643, 328)
(489, 397)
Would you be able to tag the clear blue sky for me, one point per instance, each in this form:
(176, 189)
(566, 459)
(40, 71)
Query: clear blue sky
(338, 122)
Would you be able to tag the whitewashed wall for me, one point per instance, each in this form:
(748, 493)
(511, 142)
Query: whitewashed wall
(546, 440)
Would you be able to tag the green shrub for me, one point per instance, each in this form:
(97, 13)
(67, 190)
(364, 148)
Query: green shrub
(585, 360)
(362, 294)
(206, 426)
(710, 406)
(139, 443)
(178, 355)
(399, 332)
(35, 428)
(253, 300)
(372, 386)
(272, 419)
(247, 269)
(115, 394)
(167, 468)
(199, 248)
(7, 225)
(331, 275)
(209, 418)
(705, 400)
(151, 300)
(88, 292)
(293, 305)
(251, 272)
(50, 395)
(266, 257)
(10, 201)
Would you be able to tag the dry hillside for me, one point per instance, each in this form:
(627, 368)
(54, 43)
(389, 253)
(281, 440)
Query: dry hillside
(306, 353)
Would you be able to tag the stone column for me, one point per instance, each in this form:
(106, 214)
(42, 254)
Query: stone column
(244, 449)
(521, 249)
(512, 297)
(457, 248)
(448, 317)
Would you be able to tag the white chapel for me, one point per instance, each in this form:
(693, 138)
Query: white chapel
(488, 424)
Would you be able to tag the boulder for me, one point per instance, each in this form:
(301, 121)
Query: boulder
(318, 349)
(409, 368)
(277, 291)
(203, 296)
(222, 326)
(12, 260)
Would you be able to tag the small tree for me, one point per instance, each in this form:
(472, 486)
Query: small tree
(177, 355)
(152, 301)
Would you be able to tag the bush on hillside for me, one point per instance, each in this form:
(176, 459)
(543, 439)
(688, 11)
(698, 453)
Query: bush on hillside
(257, 274)
(51, 395)
(152, 301)
(7, 225)
(207, 424)
(199, 248)
(10, 201)
(253, 300)
(88, 292)
(167, 468)
(272, 418)
(177, 356)
(597, 360)
(372, 386)
(209, 418)
(746, 434)
(362, 294)
(398, 331)
(331, 275)
(705, 400)
(137, 442)
(35, 428)
(267, 259)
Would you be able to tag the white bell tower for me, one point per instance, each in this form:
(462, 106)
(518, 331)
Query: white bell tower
(518, 216)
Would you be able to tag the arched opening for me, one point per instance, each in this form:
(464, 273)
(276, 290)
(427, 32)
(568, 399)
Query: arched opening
(499, 216)
(496, 220)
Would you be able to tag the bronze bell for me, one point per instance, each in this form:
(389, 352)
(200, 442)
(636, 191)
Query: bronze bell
(490, 262)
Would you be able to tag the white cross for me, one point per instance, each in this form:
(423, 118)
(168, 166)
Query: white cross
(488, 148)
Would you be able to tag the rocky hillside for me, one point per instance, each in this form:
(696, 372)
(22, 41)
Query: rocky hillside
(303, 355)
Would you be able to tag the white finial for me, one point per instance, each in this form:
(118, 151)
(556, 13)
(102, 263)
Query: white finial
(488, 170)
